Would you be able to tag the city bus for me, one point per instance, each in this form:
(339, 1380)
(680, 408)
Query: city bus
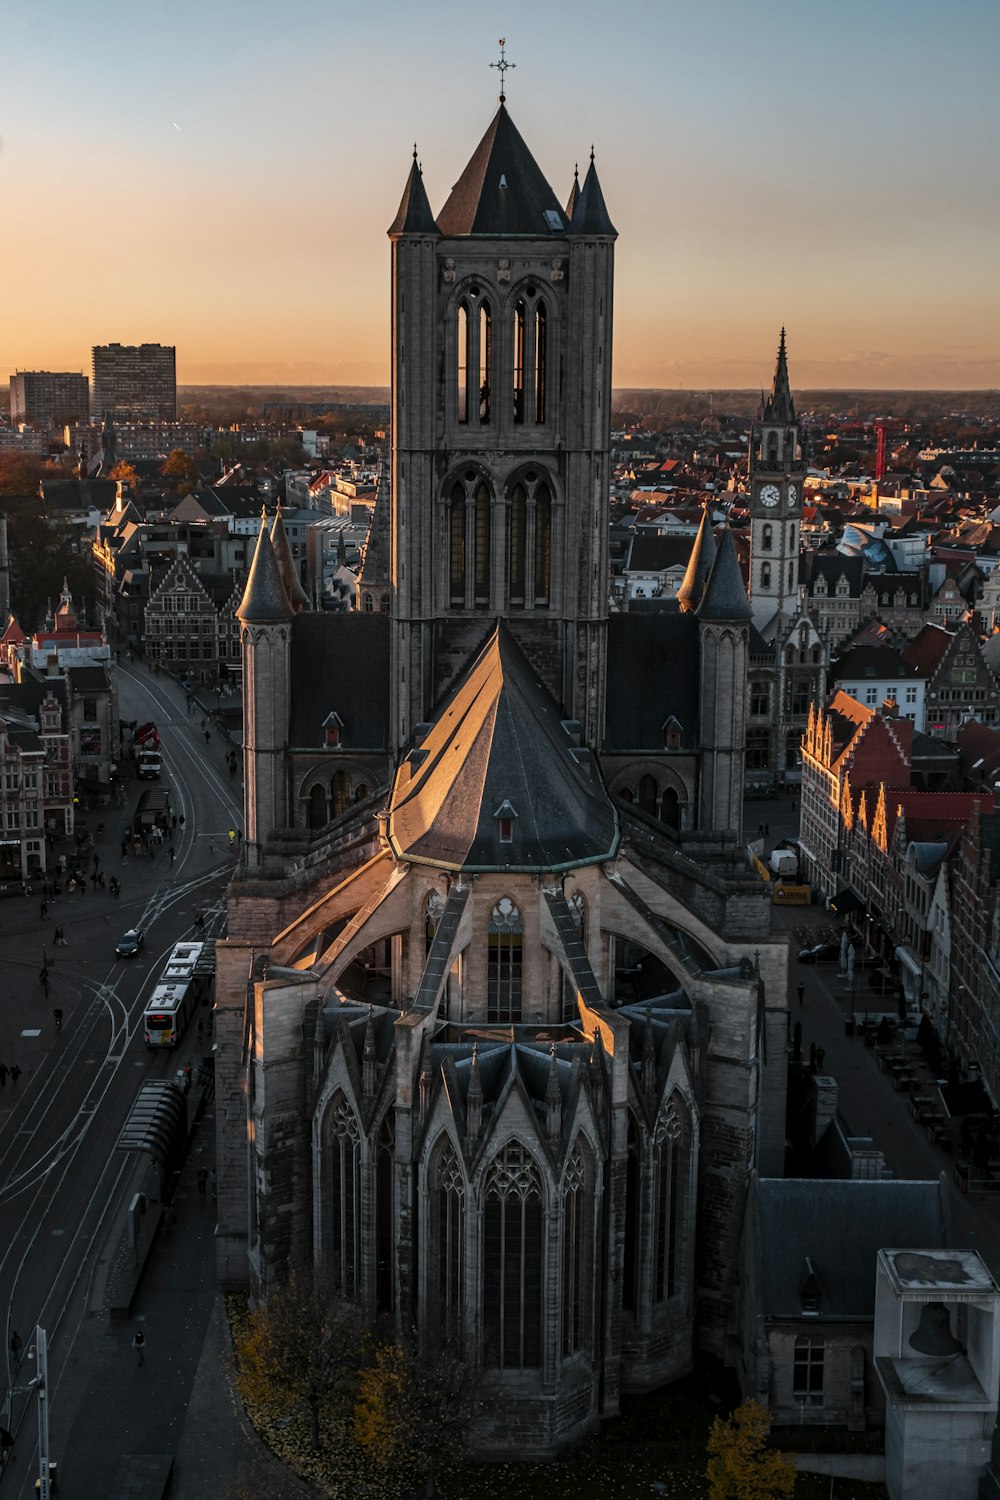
(153, 810)
(185, 981)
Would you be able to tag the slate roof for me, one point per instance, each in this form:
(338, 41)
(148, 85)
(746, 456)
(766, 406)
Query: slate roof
(725, 597)
(590, 214)
(297, 596)
(499, 739)
(839, 1226)
(881, 662)
(650, 553)
(89, 679)
(653, 672)
(265, 601)
(833, 566)
(502, 190)
(340, 663)
(414, 214)
(928, 649)
(700, 563)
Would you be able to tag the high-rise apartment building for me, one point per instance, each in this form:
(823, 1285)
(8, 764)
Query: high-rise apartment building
(139, 379)
(48, 399)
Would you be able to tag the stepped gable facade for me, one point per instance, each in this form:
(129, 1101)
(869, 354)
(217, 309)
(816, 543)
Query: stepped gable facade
(500, 1025)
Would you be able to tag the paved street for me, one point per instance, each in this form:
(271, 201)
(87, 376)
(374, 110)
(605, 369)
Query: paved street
(63, 1186)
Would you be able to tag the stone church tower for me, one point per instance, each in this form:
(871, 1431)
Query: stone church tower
(501, 348)
(777, 476)
(500, 1026)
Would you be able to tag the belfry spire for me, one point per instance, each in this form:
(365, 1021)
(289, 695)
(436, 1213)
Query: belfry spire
(780, 406)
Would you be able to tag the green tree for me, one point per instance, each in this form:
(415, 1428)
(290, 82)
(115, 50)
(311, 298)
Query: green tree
(740, 1464)
(415, 1406)
(301, 1348)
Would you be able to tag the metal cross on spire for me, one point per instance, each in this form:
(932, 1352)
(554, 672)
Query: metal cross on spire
(501, 68)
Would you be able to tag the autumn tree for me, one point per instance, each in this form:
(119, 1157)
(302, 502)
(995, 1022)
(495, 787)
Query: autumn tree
(415, 1406)
(181, 468)
(301, 1349)
(21, 473)
(741, 1466)
(125, 474)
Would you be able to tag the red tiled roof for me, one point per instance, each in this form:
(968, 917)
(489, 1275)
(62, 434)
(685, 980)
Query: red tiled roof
(927, 650)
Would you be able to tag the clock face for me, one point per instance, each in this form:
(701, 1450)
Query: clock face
(790, 492)
(769, 494)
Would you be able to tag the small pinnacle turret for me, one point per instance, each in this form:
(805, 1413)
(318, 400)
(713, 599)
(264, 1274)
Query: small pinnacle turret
(414, 215)
(699, 567)
(264, 600)
(590, 214)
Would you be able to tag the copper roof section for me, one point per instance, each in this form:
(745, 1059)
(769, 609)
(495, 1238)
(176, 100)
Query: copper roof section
(500, 738)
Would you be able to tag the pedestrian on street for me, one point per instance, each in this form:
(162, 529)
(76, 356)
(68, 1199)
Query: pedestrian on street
(211, 846)
(15, 1073)
(207, 736)
(97, 863)
(802, 991)
(202, 1181)
(139, 1345)
(44, 911)
(57, 1016)
(199, 922)
(44, 977)
(173, 854)
(767, 830)
(3, 1075)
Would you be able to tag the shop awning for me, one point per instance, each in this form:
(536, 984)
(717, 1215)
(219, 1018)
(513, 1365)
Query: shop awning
(845, 902)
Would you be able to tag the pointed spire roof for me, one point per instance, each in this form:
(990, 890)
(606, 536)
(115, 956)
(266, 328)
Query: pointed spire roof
(500, 737)
(699, 567)
(264, 600)
(297, 596)
(414, 215)
(502, 190)
(375, 567)
(590, 215)
(725, 597)
(574, 195)
(779, 406)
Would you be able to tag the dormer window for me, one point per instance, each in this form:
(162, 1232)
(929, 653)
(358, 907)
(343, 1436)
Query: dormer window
(505, 815)
(672, 733)
(333, 731)
(810, 1290)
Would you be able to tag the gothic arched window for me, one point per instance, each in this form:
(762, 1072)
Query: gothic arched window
(317, 807)
(633, 1188)
(485, 363)
(340, 791)
(670, 1190)
(648, 792)
(456, 546)
(385, 1215)
(766, 538)
(518, 540)
(543, 544)
(670, 811)
(772, 448)
(345, 1197)
(464, 335)
(540, 360)
(512, 1261)
(447, 1184)
(765, 575)
(482, 552)
(520, 340)
(503, 972)
(578, 1252)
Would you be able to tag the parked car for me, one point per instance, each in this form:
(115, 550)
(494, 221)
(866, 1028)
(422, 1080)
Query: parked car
(819, 953)
(130, 943)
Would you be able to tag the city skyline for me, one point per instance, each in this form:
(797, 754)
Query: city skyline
(222, 180)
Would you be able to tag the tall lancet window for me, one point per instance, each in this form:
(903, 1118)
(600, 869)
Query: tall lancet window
(543, 544)
(463, 329)
(345, 1197)
(670, 1192)
(385, 1215)
(482, 551)
(520, 352)
(518, 542)
(485, 363)
(540, 359)
(512, 1261)
(448, 1239)
(578, 1252)
(456, 547)
(503, 969)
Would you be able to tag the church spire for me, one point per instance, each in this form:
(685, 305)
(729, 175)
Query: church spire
(779, 406)
(264, 600)
(590, 214)
(297, 596)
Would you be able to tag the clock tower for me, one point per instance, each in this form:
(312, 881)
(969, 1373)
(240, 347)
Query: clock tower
(777, 472)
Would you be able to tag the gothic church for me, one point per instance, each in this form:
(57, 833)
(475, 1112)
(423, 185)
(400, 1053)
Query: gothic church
(500, 1023)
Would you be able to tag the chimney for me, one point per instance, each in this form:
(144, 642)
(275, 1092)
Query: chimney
(890, 708)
